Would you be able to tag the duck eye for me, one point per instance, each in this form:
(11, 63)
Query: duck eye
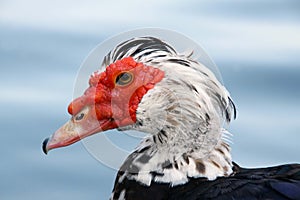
(124, 78)
(79, 117)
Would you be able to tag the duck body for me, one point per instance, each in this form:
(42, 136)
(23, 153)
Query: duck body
(279, 183)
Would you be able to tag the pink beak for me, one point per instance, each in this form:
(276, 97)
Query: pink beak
(75, 130)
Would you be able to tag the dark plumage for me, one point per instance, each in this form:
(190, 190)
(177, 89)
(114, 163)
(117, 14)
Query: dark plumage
(280, 182)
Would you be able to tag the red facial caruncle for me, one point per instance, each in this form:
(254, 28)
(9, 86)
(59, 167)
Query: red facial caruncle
(111, 101)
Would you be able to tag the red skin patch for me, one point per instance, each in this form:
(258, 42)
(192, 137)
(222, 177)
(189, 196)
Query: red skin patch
(113, 101)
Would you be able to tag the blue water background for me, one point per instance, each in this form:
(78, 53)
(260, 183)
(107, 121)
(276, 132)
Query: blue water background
(256, 45)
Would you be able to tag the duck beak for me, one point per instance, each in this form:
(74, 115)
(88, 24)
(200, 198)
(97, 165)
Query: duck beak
(77, 129)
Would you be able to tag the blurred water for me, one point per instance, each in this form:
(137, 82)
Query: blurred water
(37, 75)
(38, 69)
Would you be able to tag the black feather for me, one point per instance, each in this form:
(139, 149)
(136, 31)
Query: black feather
(280, 182)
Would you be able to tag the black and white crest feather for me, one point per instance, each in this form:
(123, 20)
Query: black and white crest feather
(138, 48)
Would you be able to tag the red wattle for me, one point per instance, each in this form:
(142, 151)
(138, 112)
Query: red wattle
(112, 101)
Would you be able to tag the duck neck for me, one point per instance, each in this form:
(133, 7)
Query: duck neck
(174, 159)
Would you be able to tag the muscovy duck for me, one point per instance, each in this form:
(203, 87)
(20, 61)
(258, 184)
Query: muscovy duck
(146, 85)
